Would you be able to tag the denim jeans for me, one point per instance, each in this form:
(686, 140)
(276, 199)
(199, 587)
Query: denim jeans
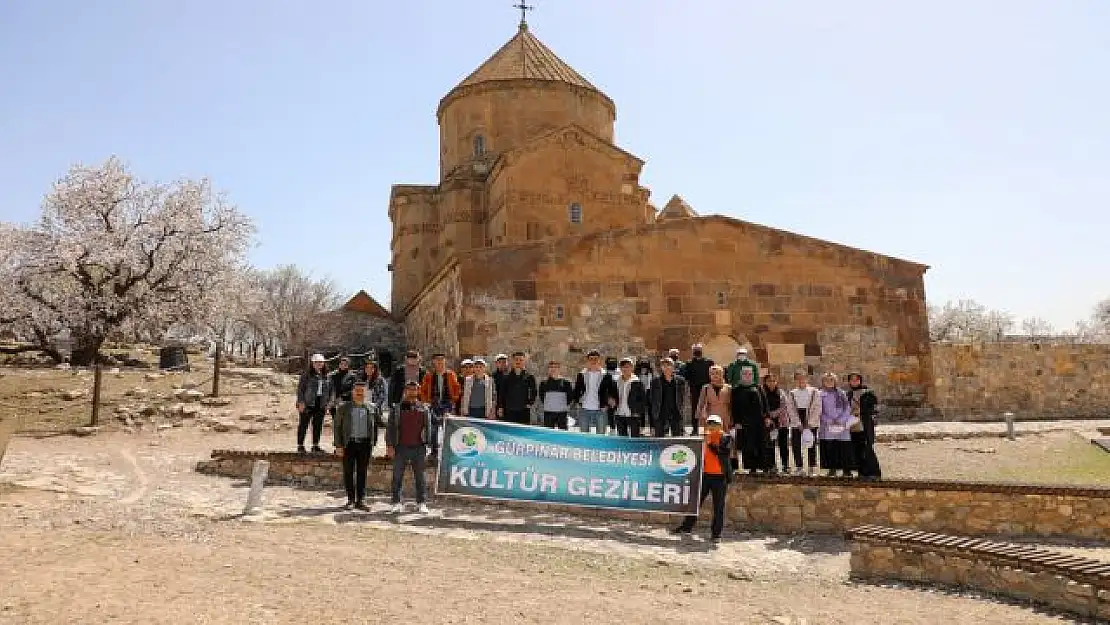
(587, 418)
(405, 456)
(438, 412)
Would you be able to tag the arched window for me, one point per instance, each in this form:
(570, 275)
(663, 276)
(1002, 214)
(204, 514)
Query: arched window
(575, 211)
(479, 145)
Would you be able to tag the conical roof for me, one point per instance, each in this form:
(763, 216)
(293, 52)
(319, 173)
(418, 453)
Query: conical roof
(525, 56)
(676, 208)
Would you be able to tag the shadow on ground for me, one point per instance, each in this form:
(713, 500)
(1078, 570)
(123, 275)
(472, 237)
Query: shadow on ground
(469, 517)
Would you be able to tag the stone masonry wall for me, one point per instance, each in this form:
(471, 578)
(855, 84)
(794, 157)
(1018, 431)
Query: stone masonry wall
(1009, 577)
(432, 321)
(788, 505)
(793, 300)
(493, 326)
(1032, 380)
(972, 509)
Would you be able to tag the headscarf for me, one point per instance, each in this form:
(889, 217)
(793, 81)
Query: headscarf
(842, 401)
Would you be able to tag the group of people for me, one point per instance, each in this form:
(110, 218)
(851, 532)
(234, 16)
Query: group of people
(746, 415)
(357, 402)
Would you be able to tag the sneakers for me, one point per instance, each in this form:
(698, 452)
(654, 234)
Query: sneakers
(316, 449)
(813, 471)
(301, 450)
(349, 505)
(396, 509)
(422, 508)
(360, 505)
(682, 529)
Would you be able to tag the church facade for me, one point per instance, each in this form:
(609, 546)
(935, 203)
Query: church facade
(539, 236)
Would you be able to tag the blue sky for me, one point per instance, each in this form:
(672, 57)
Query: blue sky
(970, 136)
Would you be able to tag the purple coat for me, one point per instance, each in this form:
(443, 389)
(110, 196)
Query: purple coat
(836, 411)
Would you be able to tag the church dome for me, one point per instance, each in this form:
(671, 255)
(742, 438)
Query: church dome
(524, 57)
(520, 92)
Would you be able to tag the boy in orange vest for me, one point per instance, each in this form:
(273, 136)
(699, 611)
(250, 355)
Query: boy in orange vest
(715, 477)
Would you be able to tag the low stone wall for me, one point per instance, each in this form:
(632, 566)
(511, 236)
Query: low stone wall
(982, 381)
(790, 504)
(793, 504)
(326, 472)
(1069, 583)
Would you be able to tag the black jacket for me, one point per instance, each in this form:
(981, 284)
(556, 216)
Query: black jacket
(637, 398)
(306, 390)
(556, 385)
(682, 397)
(517, 391)
(342, 383)
(696, 373)
(605, 391)
(498, 378)
(397, 384)
(749, 408)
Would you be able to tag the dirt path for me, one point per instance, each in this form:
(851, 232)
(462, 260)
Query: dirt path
(250, 573)
(142, 538)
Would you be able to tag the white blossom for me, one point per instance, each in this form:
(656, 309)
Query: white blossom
(110, 251)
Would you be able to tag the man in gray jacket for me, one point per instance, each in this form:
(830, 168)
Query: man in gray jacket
(355, 430)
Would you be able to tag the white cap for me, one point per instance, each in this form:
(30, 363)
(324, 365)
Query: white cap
(697, 346)
(673, 350)
(467, 361)
(501, 357)
(319, 358)
(713, 419)
(742, 350)
(479, 361)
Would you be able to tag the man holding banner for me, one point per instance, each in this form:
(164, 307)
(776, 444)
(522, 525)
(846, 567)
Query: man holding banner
(715, 477)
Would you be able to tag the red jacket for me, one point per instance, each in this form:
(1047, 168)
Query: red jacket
(454, 391)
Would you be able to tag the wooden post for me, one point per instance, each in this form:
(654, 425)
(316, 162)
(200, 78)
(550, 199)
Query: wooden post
(96, 392)
(216, 368)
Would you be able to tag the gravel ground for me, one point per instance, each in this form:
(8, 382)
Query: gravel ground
(119, 528)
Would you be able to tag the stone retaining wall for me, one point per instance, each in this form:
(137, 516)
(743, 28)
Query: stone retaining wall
(1033, 380)
(1069, 583)
(797, 504)
(978, 509)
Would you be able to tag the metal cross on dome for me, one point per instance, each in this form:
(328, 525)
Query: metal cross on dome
(524, 8)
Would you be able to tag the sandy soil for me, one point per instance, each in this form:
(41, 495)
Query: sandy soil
(118, 528)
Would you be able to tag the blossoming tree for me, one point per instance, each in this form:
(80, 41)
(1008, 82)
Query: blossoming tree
(110, 251)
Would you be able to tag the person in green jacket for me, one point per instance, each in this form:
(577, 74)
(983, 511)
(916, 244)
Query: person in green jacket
(742, 372)
(355, 429)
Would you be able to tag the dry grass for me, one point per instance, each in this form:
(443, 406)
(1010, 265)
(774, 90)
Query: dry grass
(33, 397)
(1053, 458)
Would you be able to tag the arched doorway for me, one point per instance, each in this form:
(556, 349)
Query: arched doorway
(720, 348)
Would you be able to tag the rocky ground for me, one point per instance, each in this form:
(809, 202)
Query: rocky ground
(50, 400)
(117, 527)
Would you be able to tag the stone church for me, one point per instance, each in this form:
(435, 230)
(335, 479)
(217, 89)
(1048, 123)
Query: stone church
(539, 236)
